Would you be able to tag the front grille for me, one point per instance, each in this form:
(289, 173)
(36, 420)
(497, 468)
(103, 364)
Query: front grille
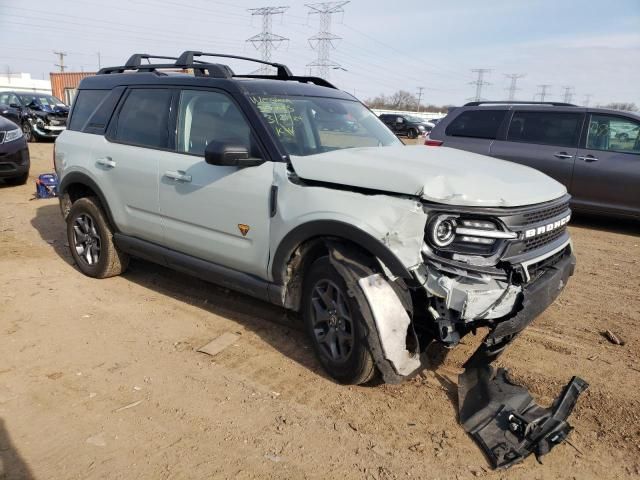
(543, 239)
(2, 137)
(545, 214)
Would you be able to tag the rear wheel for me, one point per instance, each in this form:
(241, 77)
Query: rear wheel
(412, 133)
(91, 240)
(335, 325)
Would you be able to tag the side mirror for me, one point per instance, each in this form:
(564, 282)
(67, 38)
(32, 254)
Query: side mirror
(14, 105)
(399, 120)
(229, 155)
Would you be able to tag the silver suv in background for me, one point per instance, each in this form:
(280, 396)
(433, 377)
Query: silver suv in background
(593, 152)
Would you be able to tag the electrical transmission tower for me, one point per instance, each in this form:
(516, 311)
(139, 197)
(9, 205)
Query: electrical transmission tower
(266, 41)
(568, 94)
(479, 83)
(61, 55)
(542, 93)
(513, 86)
(324, 40)
(587, 98)
(420, 89)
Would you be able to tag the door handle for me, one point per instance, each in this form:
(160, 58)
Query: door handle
(588, 158)
(106, 162)
(178, 176)
(562, 155)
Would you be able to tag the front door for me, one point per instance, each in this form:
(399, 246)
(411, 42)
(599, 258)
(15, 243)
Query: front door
(607, 171)
(216, 213)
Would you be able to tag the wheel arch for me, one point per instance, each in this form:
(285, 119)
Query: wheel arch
(77, 185)
(306, 242)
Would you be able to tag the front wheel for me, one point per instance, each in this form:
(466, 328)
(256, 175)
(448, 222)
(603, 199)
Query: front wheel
(27, 131)
(412, 133)
(91, 240)
(335, 325)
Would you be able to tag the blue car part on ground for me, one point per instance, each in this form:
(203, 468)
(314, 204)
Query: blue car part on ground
(47, 185)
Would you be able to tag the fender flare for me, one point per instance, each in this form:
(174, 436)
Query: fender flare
(332, 228)
(84, 179)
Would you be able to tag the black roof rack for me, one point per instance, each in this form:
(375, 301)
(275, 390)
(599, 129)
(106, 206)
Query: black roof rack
(513, 102)
(187, 60)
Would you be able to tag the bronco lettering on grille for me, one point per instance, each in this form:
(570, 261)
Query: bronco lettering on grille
(533, 232)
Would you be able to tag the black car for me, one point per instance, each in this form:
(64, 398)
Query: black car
(39, 115)
(14, 154)
(594, 152)
(403, 124)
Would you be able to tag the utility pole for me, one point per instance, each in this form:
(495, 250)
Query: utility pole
(587, 98)
(9, 72)
(61, 55)
(543, 92)
(420, 89)
(512, 87)
(266, 41)
(479, 83)
(324, 40)
(568, 94)
(99, 62)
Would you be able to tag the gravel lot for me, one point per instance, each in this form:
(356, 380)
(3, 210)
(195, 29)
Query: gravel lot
(101, 378)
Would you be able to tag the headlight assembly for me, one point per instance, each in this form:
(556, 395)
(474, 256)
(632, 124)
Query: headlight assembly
(12, 135)
(442, 230)
(452, 233)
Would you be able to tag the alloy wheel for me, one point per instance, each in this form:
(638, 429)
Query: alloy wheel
(332, 322)
(86, 239)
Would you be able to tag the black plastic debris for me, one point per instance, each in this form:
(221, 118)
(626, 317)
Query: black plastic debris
(505, 421)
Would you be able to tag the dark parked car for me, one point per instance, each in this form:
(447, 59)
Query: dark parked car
(38, 114)
(594, 152)
(406, 124)
(14, 154)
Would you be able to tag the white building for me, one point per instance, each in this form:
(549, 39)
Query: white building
(22, 82)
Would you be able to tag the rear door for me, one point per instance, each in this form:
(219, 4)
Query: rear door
(473, 130)
(126, 161)
(607, 171)
(546, 140)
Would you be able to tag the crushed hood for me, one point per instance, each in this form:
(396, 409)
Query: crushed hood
(436, 174)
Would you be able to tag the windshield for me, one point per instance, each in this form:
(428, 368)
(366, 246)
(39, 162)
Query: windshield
(311, 125)
(416, 119)
(41, 100)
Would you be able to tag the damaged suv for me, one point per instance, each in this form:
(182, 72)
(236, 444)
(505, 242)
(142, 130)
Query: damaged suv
(382, 248)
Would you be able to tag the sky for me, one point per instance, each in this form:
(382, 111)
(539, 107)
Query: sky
(592, 46)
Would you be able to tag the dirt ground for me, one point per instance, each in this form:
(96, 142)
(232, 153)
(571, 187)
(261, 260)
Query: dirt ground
(101, 378)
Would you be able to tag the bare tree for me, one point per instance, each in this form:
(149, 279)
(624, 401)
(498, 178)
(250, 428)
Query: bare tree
(629, 107)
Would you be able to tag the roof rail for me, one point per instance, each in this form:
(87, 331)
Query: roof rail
(187, 60)
(513, 102)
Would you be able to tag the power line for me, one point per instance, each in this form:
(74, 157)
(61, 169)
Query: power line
(324, 40)
(543, 92)
(568, 94)
(266, 41)
(61, 55)
(479, 82)
(513, 86)
(420, 89)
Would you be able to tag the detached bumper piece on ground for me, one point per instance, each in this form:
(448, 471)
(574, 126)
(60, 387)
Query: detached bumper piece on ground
(501, 416)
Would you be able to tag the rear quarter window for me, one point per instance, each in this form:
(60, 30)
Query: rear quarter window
(561, 129)
(476, 124)
(85, 104)
(144, 118)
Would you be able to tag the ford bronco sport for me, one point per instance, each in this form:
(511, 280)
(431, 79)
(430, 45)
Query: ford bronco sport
(382, 248)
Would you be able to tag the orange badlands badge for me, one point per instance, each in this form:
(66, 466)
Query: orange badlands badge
(244, 229)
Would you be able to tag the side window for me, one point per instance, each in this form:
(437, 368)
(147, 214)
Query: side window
(86, 103)
(4, 99)
(561, 129)
(144, 118)
(205, 117)
(616, 134)
(476, 124)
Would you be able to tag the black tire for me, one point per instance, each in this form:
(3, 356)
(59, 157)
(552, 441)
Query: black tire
(90, 240)
(28, 132)
(354, 364)
(412, 133)
(21, 180)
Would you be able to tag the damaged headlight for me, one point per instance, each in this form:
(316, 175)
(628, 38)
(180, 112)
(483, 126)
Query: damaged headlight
(454, 233)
